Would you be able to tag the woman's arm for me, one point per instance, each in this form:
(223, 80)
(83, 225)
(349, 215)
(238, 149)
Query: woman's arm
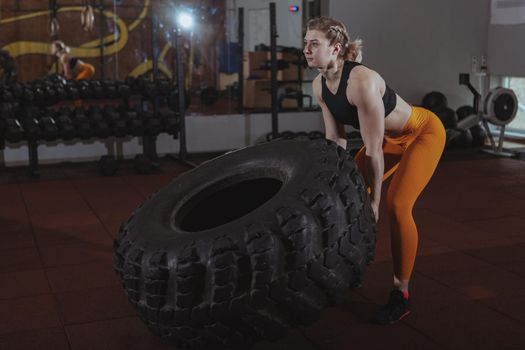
(333, 130)
(64, 59)
(366, 96)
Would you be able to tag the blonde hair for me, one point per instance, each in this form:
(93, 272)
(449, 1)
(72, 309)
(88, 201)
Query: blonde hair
(335, 31)
(59, 46)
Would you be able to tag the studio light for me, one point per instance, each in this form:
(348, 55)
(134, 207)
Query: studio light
(185, 20)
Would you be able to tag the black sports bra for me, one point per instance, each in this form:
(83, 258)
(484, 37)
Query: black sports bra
(72, 62)
(338, 104)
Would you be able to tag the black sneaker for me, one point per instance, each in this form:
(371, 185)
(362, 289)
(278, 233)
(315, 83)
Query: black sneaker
(395, 310)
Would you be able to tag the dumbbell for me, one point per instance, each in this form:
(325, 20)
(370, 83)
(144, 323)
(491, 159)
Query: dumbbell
(434, 101)
(56, 79)
(124, 90)
(28, 94)
(284, 135)
(107, 165)
(28, 119)
(131, 82)
(149, 89)
(7, 109)
(39, 94)
(84, 89)
(2, 128)
(448, 117)
(142, 164)
(17, 90)
(209, 95)
(110, 89)
(97, 91)
(94, 109)
(287, 135)
(100, 125)
(170, 122)
(50, 94)
(13, 130)
(463, 140)
(48, 127)
(7, 96)
(58, 82)
(82, 124)
(163, 87)
(134, 122)
(140, 84)
(71, 90)
(173, 100)
(61, 93)
(66, 128)
(464, 111)
(117, 124)
(64, 110)
(152, 123)
(314, 135)
(101, 128)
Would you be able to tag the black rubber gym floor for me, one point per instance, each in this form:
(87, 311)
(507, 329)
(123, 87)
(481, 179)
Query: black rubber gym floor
(58, 289)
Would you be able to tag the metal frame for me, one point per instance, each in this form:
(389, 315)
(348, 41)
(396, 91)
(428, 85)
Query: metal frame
(241, 59)
(274, 84)
(495, 149)
(101, 37)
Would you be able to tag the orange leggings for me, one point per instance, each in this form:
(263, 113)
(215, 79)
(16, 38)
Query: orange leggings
(412, 157)
(85, 71)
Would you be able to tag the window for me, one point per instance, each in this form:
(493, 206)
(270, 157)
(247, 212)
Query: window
(518, 85)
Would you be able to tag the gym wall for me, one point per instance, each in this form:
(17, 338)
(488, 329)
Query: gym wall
(419, 46)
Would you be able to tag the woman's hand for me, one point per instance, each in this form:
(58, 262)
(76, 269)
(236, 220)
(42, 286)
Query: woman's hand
(375, 209)
(341, 142)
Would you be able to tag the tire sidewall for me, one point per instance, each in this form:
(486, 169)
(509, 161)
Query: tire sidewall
(295, 168)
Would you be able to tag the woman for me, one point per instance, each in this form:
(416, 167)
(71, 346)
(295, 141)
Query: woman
(74, 68)
(404, 140)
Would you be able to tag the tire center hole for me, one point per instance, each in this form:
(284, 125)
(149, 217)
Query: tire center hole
(217, 206)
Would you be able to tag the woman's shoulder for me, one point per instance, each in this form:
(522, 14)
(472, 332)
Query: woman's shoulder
(317, 79)
(363, 74)
(64, 57)
(363, 81)
(316, 85)
(317, 82)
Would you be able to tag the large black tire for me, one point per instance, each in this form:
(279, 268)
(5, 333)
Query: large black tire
(247, 244)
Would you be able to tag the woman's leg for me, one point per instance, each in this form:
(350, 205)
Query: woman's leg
(416, 167)
(413, 169)
(86, 71)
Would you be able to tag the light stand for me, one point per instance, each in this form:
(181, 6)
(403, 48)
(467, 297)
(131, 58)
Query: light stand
(183, 152)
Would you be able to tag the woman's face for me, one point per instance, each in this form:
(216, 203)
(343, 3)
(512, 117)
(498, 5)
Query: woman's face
(317, 49)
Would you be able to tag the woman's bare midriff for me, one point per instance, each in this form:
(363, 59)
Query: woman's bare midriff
(397, 119)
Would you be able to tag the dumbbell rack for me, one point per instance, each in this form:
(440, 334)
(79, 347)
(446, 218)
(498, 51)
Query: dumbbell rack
(144, 90)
